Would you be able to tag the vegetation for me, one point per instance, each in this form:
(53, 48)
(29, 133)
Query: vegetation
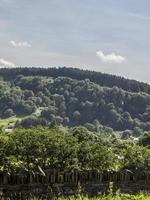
(118, 196)
(73, 120)
(111, 197)
(72, 97)
(69, 149)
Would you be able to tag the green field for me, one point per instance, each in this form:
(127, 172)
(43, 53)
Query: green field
(10, 122)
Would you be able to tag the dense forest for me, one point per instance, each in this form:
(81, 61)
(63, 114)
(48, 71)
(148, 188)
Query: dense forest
(73, 97)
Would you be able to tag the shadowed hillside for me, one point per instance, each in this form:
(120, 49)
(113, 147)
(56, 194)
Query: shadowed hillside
(73, 97)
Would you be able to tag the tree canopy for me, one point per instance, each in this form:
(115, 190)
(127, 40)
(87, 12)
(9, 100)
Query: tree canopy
(59, 97)
(68, 149)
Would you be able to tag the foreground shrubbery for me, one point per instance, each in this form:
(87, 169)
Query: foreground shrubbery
(69, 149)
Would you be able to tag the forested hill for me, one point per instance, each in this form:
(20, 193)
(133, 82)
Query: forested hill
(79, 74)
(73, 97)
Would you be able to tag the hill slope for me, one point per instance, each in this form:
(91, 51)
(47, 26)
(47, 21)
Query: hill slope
(79, 74)
(74, 97)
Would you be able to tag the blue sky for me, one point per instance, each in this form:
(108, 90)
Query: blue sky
(111, 36)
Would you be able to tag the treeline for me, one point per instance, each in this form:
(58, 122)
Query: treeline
(71, 102)
(78, 74)
(64, 149)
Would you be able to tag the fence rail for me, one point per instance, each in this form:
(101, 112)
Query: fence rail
(54, 176)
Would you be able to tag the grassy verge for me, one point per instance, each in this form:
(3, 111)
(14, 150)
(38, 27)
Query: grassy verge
(109, 197)
(10, 122)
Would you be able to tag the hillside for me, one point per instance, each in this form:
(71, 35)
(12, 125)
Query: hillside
(73, 97)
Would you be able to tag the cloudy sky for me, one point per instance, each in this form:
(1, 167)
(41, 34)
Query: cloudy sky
(111, 36)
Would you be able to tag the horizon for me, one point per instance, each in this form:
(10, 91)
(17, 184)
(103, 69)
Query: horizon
(56, 33)
(69, 67)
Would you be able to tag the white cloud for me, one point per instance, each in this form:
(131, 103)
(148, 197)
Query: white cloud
(110, 58)
(20, 44)
(5, 63)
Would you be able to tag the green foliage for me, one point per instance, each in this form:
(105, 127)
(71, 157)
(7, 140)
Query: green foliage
(136, 157)
(118, 196)
(44, 147)
(69, 149)
(8, 113)
(145, 139)
(115, 197)
(73, 97)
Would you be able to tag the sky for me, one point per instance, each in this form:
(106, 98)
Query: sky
(110, 36)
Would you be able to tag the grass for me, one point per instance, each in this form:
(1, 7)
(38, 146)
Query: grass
(108, 197)
(38, 111)
(10, 122)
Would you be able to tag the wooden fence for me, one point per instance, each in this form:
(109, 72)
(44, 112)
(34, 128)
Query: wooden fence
(74, 177)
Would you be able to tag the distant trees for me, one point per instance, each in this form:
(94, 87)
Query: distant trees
(65, 98)
(74, 73)
(8, 113)
(29, 122)
(46, 113)
(25, 108)
(145, 139)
